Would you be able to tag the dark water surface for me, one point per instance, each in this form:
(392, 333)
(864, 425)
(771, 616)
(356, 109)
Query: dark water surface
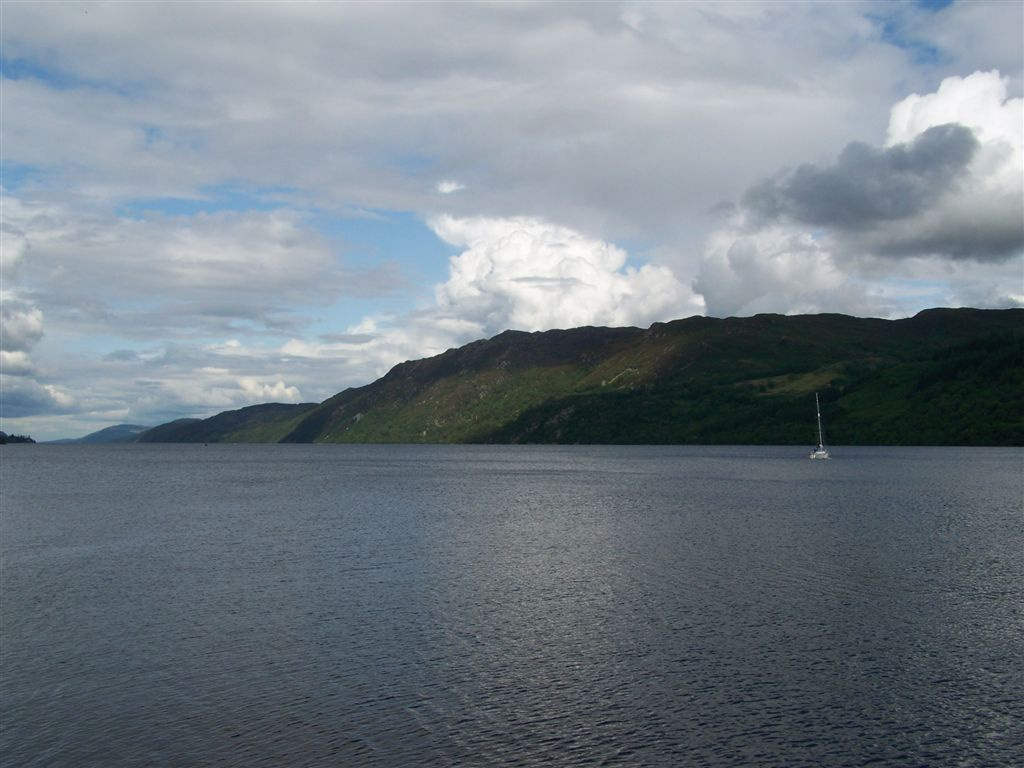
(441, 605)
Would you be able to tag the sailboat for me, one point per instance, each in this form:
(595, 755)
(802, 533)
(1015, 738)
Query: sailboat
(821, 452)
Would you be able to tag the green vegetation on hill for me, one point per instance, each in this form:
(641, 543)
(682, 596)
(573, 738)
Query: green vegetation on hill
(943, 377)
(267, 423)
(177, 431)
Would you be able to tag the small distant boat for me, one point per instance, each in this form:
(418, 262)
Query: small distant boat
(821, 452)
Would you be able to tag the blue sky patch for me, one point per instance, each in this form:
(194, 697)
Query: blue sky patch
(396, 236)
(934, 5)
(896, 31)
(14, 176)
(57, 78)
(231, 197)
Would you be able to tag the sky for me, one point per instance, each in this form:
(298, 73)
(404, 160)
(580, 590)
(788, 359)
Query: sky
(208, 205)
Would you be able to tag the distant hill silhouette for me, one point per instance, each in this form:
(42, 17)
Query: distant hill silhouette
(119, 433)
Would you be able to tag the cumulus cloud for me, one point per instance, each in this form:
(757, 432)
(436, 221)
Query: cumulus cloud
(278, 392)
(13, 245)
(21, 326)
(21, 329)
(24, 396)
(982, 218)
(528, 274)
(961, 182)
(867, 185)
(978, 101)
(517, 273)
(15, 363)
(774, 270)
(946, 187)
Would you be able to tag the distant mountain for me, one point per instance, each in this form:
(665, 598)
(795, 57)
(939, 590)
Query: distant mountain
(943, 377)
(120, 433)
(267, 423)
(171, 432)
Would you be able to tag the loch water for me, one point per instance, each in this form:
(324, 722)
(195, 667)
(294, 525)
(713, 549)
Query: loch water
(230, 605)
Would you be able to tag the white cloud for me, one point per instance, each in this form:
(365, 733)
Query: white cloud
(610, 118)
(528, 274)
(15, 363)
(774, 270)
(768, 257)
(261, 392)
(24, 396)
(246, 253)
(372, 347)
(978, 101)
(516, 273)
(448, 186)
(204, 274)
(982, 217)
(21, 326)
(208, 391)
(13, 245)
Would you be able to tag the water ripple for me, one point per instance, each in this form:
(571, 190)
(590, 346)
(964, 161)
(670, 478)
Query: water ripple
(399, 605)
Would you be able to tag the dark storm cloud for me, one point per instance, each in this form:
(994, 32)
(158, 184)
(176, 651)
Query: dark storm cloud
(984, 231)
(866, 185)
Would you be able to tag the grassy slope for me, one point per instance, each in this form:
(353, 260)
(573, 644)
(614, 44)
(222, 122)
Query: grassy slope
(267, 423)
(945, 376)
(942, 377)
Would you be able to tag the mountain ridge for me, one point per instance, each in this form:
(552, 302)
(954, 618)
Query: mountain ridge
(262, 423)
(118, 433)
(692, 380)
(942, 377)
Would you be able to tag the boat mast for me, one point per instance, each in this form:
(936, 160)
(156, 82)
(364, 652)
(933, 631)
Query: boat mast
(821, 435)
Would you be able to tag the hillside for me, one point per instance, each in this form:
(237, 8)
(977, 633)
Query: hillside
(943, 377)
(119, 433)
(267, 423)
